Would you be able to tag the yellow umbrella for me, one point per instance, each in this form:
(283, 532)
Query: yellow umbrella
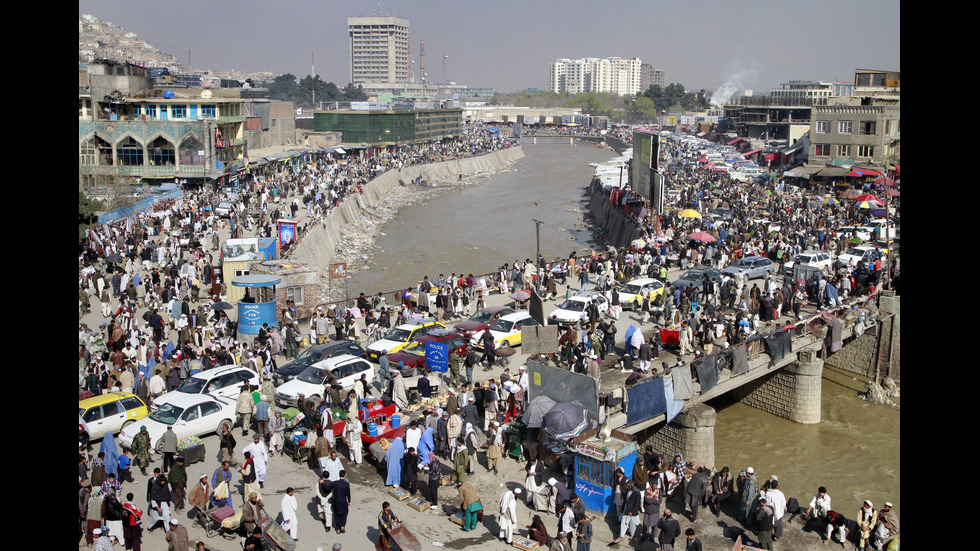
(689, 213)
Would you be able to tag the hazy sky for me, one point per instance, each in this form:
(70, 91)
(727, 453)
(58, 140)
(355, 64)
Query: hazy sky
(508, 44)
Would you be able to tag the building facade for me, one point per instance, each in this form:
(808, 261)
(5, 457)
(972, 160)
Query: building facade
(380, 128)
(651, 76)
(128, 129)
(379, 50)
(804, 92)
(862, 128)
(613, 75)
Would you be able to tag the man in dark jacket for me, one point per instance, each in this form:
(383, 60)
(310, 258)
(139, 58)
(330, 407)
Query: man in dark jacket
(631, 513)
(693, 543)
(696, 489)
(341, 502)
(669, 530)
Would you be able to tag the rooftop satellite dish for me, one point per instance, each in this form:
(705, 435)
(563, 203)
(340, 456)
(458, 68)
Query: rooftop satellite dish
(206, 94)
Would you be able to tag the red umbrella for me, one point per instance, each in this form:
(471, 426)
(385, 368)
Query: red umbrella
(702, 236)
(893, 192)
(867, 197)
(884, 180)
(850, 194)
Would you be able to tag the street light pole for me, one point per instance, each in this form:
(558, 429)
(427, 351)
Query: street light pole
(537, 266)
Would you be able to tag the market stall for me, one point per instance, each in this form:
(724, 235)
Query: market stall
(597, 456)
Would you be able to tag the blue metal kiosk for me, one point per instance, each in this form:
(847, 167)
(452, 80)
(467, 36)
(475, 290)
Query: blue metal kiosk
(259, 306)
(596, 461)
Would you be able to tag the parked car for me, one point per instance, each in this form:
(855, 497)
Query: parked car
(314, 354)
(413, 354)
(225, 381)
(111, 412)
(631, 294)
(855, 255)
(752, 267)
(506, 331)
(344, 370)
(188, 414)
(861, 232)
(398, 337)
(574, 310)
(480, 320)
(812, 258)
(224, 208)
(695, 275)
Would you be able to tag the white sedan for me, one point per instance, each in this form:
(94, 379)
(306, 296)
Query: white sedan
(188, 414)
(574, 311)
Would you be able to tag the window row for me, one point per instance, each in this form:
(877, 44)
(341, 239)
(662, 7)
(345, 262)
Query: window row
(865, 128)
(843, 150)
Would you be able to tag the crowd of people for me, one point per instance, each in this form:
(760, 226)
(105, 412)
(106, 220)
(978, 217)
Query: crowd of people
(152, 277)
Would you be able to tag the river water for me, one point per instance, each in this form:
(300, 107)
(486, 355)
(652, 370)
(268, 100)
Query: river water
(854, 451)
(479, 227)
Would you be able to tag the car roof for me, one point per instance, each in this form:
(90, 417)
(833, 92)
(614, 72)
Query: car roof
(516, 316)
(495, 309)
(641, 281)
(185, 400)
(111, 396)
(208, 373)
(330, 363)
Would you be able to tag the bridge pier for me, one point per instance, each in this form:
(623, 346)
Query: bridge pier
(691, 433)
(793, 392)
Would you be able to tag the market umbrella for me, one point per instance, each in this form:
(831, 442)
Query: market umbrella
(866, 205)
(850, 194)
(115, 258)
(520, 296)
(689, 213)
(566, 420)
(534, 414)
(702, 236)
(893, 193)
(828, 200)
(867, 197)
(221, 306)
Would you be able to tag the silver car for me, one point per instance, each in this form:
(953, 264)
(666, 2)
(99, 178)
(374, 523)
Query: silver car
(752, 267)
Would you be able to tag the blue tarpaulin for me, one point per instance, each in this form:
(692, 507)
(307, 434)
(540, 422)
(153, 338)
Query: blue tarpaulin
(645, 400)
(674, 407)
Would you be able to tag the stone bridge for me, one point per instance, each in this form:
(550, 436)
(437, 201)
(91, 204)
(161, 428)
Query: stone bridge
(789, 388)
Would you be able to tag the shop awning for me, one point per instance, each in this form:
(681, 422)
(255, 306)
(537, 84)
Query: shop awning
(861, 172)
(340, 150)
(832, 171)
(753, 152)
(736, 140)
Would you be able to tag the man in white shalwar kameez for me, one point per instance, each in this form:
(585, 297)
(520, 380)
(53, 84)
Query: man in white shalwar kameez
(353, 433)
(508, 514)
(260, 457)
(290, 519)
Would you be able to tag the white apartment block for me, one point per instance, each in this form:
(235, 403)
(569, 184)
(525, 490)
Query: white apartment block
(613, 75)
(378, 49)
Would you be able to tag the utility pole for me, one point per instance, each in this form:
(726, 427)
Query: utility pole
(537, 265)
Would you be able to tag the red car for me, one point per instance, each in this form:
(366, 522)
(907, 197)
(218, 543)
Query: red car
(481, 320)
(413, 354)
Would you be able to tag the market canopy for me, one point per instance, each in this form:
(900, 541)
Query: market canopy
(736, 140)
(753, 152)
(860, 172)
(536, 410)
(689, 213)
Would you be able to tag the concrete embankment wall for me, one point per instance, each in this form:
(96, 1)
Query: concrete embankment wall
(317, 247)
(619, 230)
